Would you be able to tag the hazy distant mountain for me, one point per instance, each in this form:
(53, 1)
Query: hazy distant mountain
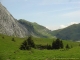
(20, 28)
(70, 33)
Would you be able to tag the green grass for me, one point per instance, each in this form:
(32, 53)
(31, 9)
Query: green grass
(9, 50)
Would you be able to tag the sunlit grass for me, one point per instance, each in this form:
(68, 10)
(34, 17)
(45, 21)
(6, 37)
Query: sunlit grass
(9, 50)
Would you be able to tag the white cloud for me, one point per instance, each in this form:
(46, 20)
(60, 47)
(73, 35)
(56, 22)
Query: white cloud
(52, 27)
(61, 26)
(73, 23)
(64, 26)
(56, 27)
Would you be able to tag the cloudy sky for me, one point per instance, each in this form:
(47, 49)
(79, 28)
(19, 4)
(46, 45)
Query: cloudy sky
(53, 14)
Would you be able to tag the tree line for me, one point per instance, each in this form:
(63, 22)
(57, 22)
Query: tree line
(29, 43)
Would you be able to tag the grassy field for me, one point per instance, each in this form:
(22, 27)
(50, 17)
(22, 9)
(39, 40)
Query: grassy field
(9, 50)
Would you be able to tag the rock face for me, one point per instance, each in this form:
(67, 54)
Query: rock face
(19, 28)
(9, 25)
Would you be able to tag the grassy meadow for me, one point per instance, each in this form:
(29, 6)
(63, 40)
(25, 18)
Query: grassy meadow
(9, 50)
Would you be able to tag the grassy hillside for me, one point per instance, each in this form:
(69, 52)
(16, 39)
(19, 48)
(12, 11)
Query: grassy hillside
(70, 33)
(43, 30)
(9, 50)
(36, 29)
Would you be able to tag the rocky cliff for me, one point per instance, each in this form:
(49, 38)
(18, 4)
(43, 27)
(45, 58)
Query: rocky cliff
(9, 25)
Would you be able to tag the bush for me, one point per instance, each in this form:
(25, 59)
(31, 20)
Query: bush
(49, 47)
(13, 39)
(3, 37)
(41, 47)
(79, 44)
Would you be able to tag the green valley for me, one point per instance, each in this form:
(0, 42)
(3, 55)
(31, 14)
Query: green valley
(9, 50)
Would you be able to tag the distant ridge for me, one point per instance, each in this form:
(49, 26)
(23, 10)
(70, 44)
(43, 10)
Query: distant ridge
(70, 33)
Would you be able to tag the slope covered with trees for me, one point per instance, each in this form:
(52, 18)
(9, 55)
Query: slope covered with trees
(70, 33)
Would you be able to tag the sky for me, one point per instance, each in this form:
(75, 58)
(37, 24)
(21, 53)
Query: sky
(53, 14)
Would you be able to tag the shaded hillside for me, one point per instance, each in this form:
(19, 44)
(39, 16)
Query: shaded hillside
(43, 30)
(70, 33)
(35, 29)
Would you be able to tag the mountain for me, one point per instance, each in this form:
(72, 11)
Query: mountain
(10, 26)
(36, 29)
(70, 33)
(20, 28)
(43, 30)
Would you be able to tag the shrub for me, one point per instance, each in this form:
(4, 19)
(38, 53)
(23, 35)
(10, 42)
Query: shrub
(3, 37)
(49, 47)
(79, 44)
(13, 39)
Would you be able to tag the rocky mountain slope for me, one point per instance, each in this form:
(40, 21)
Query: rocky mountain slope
(9, 25)
(20, 28)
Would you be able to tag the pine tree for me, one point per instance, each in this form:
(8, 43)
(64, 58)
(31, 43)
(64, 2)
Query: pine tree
(57, 44)
(27, 44)
(61, 44)
(53, 45)
(30, 42)
(67, 46)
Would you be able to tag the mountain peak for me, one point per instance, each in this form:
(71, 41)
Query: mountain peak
(20, 28)
(8, 25)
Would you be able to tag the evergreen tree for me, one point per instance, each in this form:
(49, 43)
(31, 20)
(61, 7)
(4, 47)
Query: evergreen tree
(27, 44)
(30, 42)
(53, 45)
(67, 46)
(57, 44)
(61, 44)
